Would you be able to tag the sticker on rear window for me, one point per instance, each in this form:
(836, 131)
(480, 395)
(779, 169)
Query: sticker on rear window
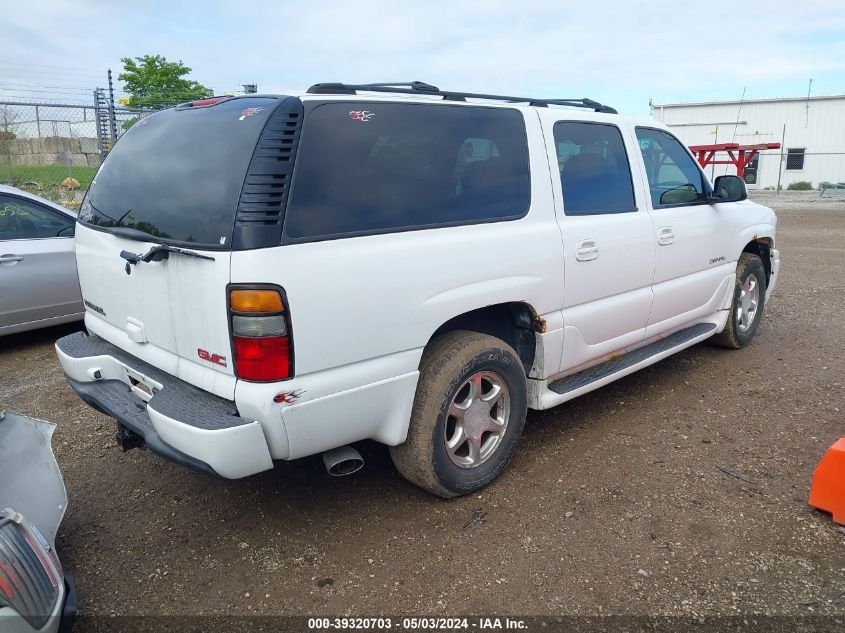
(249, 112)
(361, 115)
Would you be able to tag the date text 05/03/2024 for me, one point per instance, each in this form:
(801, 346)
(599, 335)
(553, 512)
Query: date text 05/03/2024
(418, 623)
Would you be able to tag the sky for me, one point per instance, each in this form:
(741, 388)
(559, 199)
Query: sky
(619, 53)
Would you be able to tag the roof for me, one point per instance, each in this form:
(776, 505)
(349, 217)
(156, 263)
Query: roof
(572, 113)
(414, 92)
(682, 104)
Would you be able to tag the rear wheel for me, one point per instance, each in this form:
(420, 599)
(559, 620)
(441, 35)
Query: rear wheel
(748, 303)
(468, 414)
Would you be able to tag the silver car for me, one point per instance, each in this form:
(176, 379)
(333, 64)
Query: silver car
(39, 286)
(36, 595)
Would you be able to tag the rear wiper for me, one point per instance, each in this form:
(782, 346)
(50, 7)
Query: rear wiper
(160, 252)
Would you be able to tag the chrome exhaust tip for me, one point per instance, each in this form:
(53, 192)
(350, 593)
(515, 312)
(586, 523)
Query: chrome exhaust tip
(343, 461)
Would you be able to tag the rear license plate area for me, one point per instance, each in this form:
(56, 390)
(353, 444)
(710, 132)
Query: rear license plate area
(140, 385)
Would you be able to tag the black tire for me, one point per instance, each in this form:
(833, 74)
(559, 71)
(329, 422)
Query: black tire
(733, 336)
(447, 364)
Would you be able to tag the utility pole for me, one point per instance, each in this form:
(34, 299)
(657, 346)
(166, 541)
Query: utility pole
(112, 119)
(780, 167)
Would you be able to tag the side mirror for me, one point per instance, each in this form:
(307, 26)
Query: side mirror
(683, 194)
(729, 189)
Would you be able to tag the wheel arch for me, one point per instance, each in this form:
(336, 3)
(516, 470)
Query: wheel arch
(761, 246)
(515, 322)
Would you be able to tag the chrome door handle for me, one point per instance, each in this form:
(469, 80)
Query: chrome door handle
(10, 258)
(665, 235)
(586, 250)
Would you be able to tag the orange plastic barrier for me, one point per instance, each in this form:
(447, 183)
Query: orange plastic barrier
(828, 490)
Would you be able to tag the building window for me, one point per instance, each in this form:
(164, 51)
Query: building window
(795, 159)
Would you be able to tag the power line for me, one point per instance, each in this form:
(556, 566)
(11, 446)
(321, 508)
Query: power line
(50, 92)
(50, 73)
(28, 65)
(65, 87)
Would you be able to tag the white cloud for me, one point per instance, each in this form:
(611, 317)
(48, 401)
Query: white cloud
(617, 51)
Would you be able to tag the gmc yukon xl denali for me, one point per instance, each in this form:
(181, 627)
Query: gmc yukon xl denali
(271, 277)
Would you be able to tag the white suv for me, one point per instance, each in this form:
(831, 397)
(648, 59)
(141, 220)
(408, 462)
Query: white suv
(270, 277)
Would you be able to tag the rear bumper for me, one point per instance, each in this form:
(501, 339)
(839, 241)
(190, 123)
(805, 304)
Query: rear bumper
(176, 420)
(70, 606)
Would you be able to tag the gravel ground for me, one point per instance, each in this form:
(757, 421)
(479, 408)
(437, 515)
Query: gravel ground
(624, 501)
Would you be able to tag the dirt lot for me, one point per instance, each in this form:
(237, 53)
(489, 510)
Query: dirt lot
(615, 502)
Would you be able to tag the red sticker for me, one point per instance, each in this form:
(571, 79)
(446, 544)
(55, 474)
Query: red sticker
(361, 115)
(249, 112)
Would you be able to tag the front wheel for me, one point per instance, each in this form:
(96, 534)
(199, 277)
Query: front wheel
(468, 414)
(747, 306)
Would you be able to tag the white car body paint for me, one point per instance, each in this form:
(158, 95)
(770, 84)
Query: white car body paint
(364, 308)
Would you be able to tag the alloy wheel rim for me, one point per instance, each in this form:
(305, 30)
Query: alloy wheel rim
(749, 300)
(477, 419)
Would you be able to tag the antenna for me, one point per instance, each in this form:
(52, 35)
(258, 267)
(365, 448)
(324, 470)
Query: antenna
(738, 112)
(807, 107)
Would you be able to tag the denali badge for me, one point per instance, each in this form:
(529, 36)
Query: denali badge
(95, 308)
(211, 358)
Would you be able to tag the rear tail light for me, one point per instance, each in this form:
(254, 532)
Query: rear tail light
(29, 584)
(252, 301)
(261, 337)
(259, 326)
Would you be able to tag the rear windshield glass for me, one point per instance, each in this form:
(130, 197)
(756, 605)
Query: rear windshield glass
(375, 167)
(177, 175)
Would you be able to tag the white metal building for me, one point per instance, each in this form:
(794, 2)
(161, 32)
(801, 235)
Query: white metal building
(811, 131)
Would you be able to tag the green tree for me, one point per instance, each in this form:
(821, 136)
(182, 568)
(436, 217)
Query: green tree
(154, 82)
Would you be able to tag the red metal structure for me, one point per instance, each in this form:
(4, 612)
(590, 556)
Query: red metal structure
(739, 155)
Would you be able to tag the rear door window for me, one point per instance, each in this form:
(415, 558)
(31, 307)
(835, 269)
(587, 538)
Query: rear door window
(594, 171)
(366, 168)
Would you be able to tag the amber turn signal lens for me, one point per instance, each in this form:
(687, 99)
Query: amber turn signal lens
(255, 301)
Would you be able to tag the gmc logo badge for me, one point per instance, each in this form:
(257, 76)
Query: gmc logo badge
(211, 358)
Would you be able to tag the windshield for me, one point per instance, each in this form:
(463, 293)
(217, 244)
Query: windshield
(177, 175)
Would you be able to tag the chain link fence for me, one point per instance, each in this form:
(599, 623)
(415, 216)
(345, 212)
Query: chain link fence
(54, 150)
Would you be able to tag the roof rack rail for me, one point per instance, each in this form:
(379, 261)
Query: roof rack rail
(419, 87)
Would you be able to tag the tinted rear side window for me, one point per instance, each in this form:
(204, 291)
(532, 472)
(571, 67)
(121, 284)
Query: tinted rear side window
(594, 171)
(177, 175)
(369, 168)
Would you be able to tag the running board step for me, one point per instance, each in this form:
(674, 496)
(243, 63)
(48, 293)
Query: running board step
(596, 373)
